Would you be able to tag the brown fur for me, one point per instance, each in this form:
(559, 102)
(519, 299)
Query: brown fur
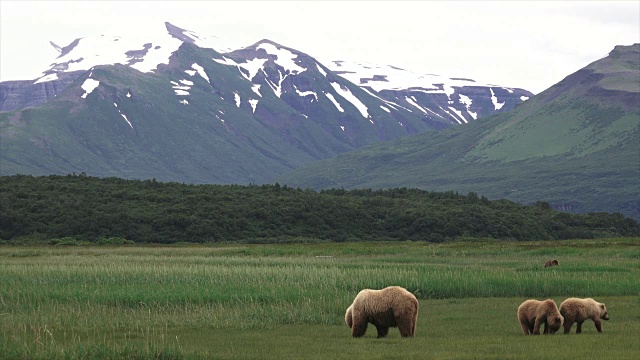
(348, 319)
(551, 263)
(390, 307)
(578, 310)
(533, 313)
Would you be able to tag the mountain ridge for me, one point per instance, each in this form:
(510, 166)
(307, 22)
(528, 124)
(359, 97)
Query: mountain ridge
(177, 110)
(571, 145)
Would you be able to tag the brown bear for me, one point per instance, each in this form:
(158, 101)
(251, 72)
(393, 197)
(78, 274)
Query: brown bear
(579, 310)
(393, 306)
(533, 313)
(551, 263)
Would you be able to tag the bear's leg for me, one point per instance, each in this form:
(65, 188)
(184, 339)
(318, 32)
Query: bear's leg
(358, 329)
(579, 328)
(546, 329)
(359, 324)
(406, 327)
(567, 326)
(525, 327)
(598, 324)
(382, 331)
(536, 326)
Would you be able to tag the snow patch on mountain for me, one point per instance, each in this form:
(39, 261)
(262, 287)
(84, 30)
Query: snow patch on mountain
(524, 98)
(182, 88)
(143, 54)
(236, 96)
(387, 77)
(123, 115)
(277, 88)
(200, 71)
(225, 61)
(253, 103)
(448, 90)
(142, 51)
(467, 101)
(494, 100)
(334, 101)
(435, 113)
(411, 101)
(305, 93)
(324, 73)
(453, 116)
(127, 120)
(47, 78)
(253, 66)
(285, 58)
(256, 89)
(88, 86)
(210, 42)
(459, 113)
(346, 93)
(389, 103)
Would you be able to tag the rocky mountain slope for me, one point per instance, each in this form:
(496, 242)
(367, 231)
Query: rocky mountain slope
(575, 145)
(174, 108)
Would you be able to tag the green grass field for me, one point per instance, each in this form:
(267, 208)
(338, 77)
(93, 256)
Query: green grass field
(288, 301)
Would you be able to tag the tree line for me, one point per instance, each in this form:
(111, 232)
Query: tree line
(41, 208)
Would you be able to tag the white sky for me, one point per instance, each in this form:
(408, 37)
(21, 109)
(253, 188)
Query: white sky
(525, 44)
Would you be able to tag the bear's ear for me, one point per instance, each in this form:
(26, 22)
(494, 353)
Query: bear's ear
(602, 306)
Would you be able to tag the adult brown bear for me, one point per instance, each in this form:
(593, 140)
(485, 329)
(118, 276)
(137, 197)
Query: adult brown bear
(551, 263)
(393, 306)
(533, 313)
(579, 310)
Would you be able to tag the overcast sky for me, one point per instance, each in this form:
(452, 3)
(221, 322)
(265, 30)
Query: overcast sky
(525, 44)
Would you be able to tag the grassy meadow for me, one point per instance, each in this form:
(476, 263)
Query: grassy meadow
(288, 301)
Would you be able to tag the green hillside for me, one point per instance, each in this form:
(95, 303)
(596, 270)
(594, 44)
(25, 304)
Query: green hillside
(576, 145)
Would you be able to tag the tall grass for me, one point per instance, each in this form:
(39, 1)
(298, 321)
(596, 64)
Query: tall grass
(107, 301)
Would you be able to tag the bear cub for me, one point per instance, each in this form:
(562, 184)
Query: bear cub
(534, 313)
(578, 310)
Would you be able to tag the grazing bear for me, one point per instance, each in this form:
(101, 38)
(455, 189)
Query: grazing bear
(579, 310)
(533, 313)
(551, 263)
(393, 306)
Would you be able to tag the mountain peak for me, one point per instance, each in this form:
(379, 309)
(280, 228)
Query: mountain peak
(613, 79)
(180, 33)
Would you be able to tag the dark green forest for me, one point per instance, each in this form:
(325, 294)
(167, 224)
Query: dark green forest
(50, 209)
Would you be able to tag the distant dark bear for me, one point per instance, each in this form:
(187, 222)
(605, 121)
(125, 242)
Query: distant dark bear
(551, 263)
(533, 313)
(579, 310)
(393, 306)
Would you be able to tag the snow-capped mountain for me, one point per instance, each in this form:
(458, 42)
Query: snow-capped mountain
(456, 100)
(177, 106)
(575, 146)
(143, 54)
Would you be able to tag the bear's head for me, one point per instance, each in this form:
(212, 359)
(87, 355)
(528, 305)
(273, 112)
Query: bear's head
(554, 323)
(604, 315)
